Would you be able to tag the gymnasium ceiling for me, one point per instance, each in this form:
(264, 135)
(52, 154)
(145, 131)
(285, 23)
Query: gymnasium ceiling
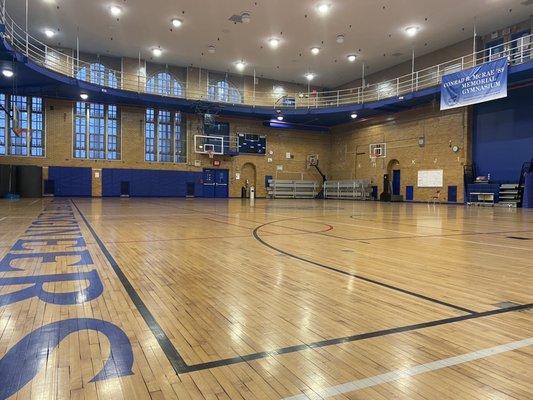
(373, 29)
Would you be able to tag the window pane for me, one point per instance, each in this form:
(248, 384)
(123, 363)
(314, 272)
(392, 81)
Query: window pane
(80, 131)
(165, 136)
(19, 142)
(149, 133)
(96, 131)
(113, 144)
(181, 139)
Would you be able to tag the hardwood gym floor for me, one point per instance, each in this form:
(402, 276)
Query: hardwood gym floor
(219, 299)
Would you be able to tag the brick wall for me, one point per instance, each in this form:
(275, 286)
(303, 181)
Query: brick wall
(401, 133)
(59, 145)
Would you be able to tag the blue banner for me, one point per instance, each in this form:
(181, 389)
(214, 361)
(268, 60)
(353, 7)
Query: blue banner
(482, 83)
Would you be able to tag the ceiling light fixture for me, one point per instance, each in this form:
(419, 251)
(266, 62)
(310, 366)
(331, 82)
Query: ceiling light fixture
(49, 33)
(412, 30)
(176, 22)
(246, 17)
(240, 65)
(351, 57)
(84, 96)
(156, 51)
(353, 115)
(211, 49)
(8, 73)
(340, 38)
(115, 11)
(323, 8)
(309, 76)
(315, 50)
(273, 43)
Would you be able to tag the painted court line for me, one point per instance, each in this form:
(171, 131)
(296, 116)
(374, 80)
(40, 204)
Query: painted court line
(413, 371)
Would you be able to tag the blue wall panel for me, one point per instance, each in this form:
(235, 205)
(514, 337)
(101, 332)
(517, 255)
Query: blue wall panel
(503, 135)
(150, 183)
(71, 181)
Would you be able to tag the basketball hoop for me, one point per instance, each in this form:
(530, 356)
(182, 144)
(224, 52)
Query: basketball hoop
(20, 131)
(211, 153)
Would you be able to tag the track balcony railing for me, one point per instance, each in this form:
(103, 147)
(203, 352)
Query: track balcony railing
(516, 51)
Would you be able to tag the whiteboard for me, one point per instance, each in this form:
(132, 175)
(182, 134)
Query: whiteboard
(430, 178)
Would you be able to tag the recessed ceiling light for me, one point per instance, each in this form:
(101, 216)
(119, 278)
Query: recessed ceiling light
(323, 8)
(211, 49)
(240, 65)
(49, 33)
(8, 73)
(84, 96)
(315, 50)
(412, 30)
(245, 17)
(280, 117)
(176, 22)
(351, 57)
(115, 11)
(309, 76)
(340, 38)
(353, 115)
(156, 51)
(273, 42)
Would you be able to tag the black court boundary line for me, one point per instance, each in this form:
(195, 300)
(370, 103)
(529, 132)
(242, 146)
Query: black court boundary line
(173, 356)
(181, 367)
(355, 338)
(360, 277)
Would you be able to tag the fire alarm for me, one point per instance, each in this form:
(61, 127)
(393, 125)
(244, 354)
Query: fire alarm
(216, 163)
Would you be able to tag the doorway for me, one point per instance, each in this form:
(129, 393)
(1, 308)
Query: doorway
(216, 183)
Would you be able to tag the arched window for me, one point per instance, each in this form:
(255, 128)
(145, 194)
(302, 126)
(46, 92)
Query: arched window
(223, 91)
(98, 74)
(164, 84)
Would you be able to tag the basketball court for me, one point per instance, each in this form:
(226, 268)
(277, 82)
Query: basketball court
(279, 200)
(228, 299)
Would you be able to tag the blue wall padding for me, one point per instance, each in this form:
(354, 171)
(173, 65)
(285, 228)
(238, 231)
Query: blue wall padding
(527, 201)
(71, 181)
(503, 135)
(150, 183)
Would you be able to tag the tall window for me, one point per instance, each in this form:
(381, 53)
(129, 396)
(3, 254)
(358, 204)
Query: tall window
(164, 84)
(28, 138)
(98, 74)
(165, 136)
(224, 91)
(96, 131)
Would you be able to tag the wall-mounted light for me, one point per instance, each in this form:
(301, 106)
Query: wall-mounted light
(7, 72)
(353, 115)
(84, 96)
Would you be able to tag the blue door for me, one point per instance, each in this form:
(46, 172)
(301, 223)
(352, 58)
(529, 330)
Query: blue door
(409, 193)
(452, 194)
(209, 183)
(396, 182)
(221, 183)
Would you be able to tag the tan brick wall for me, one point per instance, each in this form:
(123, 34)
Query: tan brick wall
(441, 130)
(59, 145)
